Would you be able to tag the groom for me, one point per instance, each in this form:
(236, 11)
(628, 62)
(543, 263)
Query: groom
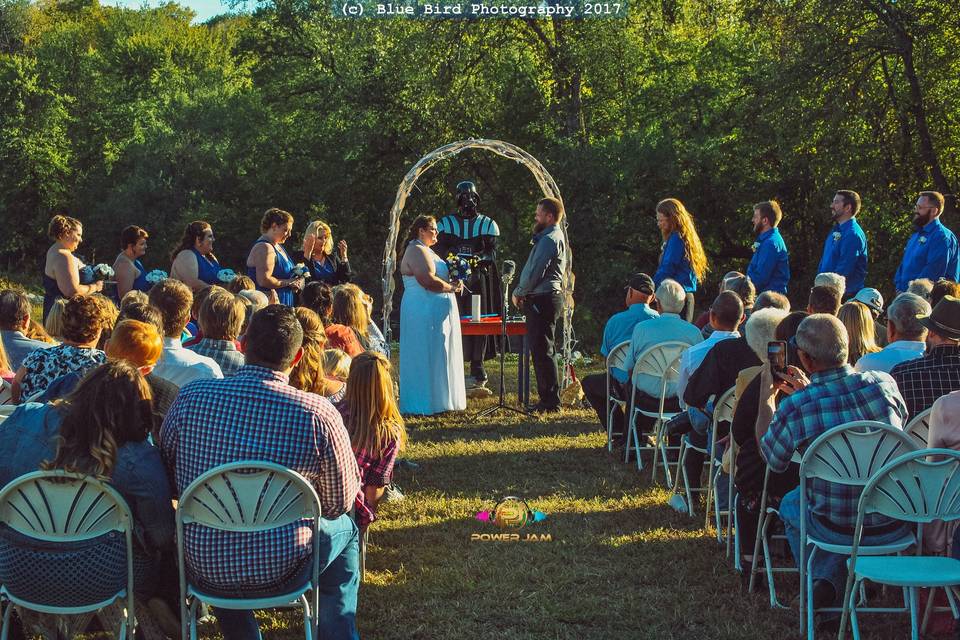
(539, 293)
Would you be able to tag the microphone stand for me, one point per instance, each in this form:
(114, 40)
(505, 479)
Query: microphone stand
(502, 405)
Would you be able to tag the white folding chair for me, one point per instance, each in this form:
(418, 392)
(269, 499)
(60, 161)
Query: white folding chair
(247, 497)
(722, 412)
(919, 427)
(763, 539)
(659, 361)
(6, 392)
(919, 487)
(63, 507)
(615, 359)
(848, 454)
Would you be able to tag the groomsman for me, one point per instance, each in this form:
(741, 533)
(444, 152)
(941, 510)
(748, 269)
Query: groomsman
(845, 249)
(769, 269)
(932, 249)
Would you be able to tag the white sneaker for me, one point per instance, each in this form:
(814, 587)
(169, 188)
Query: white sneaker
(392, 494)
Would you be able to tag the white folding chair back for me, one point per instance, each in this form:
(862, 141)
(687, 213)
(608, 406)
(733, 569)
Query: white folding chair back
(848, 454)
(59, 506)
(722, 412)
(919, 427)
(659, 361)
(248, 496)
(6, 392)
(918, 487)
(617, 358)
(762, 541)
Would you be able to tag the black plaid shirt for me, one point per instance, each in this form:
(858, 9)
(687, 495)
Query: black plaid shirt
(925, 379)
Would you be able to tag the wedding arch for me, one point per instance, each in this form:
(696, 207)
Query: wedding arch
(506, 150)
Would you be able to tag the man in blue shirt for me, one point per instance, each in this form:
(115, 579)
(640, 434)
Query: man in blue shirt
(845, 249)
(932, 249)
(769, 268)
(619, 328)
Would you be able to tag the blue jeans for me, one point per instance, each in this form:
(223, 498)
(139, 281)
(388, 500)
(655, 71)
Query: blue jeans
(826, 566)
(338, 584)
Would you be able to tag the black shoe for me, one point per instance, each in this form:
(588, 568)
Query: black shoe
(679, 424)
(542, 408)
(824, 595)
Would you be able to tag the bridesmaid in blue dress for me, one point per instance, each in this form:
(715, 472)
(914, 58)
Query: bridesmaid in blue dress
(64, 274)
(268, 263)
(193, 261)
(128, 270)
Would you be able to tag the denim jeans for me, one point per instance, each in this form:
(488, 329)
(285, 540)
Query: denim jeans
(338, 584)
(826, 566)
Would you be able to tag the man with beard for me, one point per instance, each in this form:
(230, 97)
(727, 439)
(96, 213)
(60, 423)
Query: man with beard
(932, 249)
(539, 292)
(472, 235)
(845, 250)
(769, 269)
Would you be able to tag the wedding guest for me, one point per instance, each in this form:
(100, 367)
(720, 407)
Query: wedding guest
(6, 372)
(922, 287)
(318, 296)
(192, 332)
(194, 262)
(253, 301)
(14, 323)
(769, 268)
(178, 365)
(376, 429)
(133, 296)
(943, 287)
(325, 264)
(831, 279)
(336, 364)
(64, 274)
(268, 263)
(377, 340)
(350, 311)
(682, 258)
(221, 318)
(129, 272)
(241, 283)
(53, 324)
(100, 429)
(944, 434)
(703, 319)
(923, 380)
(905, 334)
(308, 373)
(845, 249)
(82, 324)
(824, 299)
(35, 331)
(873, 301)
(857, 320)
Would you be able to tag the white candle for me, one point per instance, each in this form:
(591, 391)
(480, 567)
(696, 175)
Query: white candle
(475, 308)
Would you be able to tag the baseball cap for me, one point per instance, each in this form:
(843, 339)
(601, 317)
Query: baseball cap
(642, 283)
(871, 298)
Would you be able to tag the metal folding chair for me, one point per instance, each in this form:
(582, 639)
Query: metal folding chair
(919, 427)
(615, 359)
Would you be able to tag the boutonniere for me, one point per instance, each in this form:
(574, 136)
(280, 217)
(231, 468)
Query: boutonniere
(923, 239)
(755, 246)
(836, 236)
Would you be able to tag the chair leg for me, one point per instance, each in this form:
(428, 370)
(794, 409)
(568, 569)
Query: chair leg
(708, 498)
(5, 628)
(631, 436)
(811, 634)
(914, 626)
(854, 621)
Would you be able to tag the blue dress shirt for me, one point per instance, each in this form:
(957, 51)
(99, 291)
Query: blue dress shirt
(931, 253)
(674, 264)
(770, 266)
(620, 328)
(846, 254)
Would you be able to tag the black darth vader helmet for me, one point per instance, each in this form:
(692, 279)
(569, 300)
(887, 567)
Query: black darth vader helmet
(467, 196)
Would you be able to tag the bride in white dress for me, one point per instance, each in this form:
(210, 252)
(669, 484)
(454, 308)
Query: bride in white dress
(431, 351)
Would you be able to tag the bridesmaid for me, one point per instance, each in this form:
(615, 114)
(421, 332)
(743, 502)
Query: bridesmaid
(683, 258)
(318, 255)
(64, 274)
(193, 261)
(128, 270)
(268, 263)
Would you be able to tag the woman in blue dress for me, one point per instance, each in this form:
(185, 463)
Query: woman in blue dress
(325, 264)
(683, 258)
(268, 263)
(64, 274)
(127, 268)
(194, 263)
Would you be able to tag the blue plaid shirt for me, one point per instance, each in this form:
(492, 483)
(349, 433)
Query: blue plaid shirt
(832, 398)
(256, 415)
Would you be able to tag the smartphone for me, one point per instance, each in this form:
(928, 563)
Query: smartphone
(777, 355)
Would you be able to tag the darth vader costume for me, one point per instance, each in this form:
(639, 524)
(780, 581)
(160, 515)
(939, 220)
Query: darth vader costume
(471, 234)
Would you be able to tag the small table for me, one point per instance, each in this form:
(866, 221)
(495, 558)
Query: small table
(492, 327)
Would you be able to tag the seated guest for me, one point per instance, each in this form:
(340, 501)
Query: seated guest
(858, 322)
(309, 374)
(829, 279)
(318, 296)
(923, 380)
(922, 287)
(741, 286)
(133, 296)
(619, 328)
(172, 299)
(373, 330)
(82, 325)
(376, 429)
(192, 334)
(100, 429)
(215, 422)
(221, 318)
(241, 283)
(35, 331)
(350, 311)
(14, 322)
(832, 395)
(944, 434)
(872, 299)
(772, 300)
(669, 327)
(703, 319)
(53, 322)
(824, 299)
(108, 317)
(905, 335)
(942, 288)
(336, 364)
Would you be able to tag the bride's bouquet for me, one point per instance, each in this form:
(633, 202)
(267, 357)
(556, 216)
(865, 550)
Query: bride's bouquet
(460, 266)
(226, 275)
(157, 275)
(103, 272)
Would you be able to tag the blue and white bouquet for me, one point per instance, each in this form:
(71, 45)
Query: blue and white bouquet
(157, 275)
(103, 272)
(301, 270)
(460, 266)
(226, 275)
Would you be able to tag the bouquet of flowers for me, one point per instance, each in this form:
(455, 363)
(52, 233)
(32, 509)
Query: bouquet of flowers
(157, 275)
(301, 270)
(460, 266)
(226, 275)
(103, 272)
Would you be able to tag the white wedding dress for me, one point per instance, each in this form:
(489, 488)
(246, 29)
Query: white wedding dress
(431, 350)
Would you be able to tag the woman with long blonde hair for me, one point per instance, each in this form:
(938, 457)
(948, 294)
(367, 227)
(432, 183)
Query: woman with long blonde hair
(318, 255)
(376, 429)
(682, 258)
(861, 334)
(351, 310)
(309, 373)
